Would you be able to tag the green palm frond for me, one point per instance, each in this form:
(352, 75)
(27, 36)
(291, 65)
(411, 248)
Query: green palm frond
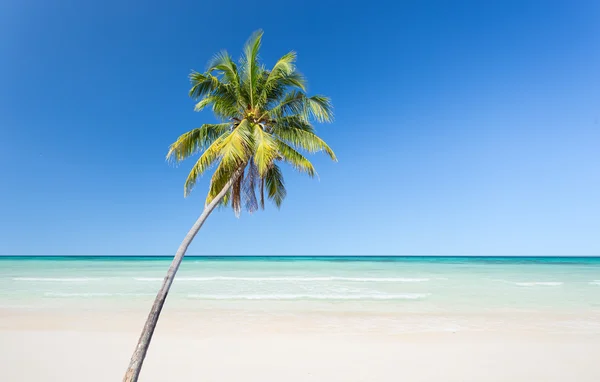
(195, 140)
(282, 76)
(251, 66)
(202, 84)
(294, 80)
(206, 160)
(285, 65)
(320, 108)
(226, 106)
(304, 139)
(204, 102)
(224, 64)
(236, 148)
(293, 103)
(275, 185)
(265, 149)
(280, 88)
(224, 102)
(293, 122)
(295, 159)
(219, 179)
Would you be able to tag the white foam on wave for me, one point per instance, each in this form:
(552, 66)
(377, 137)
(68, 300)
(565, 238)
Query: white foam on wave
(404, 296)
(94, 294)
(539, 283)
(595, 282)
(322, 278)
(57, 279)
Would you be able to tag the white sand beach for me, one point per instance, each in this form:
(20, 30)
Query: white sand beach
(223, 346)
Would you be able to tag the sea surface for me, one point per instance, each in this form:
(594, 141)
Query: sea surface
(385, 284)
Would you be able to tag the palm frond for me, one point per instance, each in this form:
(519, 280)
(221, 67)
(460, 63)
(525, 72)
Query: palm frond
(222, 175)
(274, 92)
(195, 140)
(293, 103)
(249, 187)
(320, 108)
(285, 65)
(224, 64)
(206, 160)
(265, 149)
(303, 139)
(295, 159)
(293, 122)
(236, 195)
(281, 76)
(202, 84)
(293, 80)
(224, 102)
(237, 146)
(275, 185)
(251, 66)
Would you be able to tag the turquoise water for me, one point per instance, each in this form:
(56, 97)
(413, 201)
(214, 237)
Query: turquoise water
(386, 284)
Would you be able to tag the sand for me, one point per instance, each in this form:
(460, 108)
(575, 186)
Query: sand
(221, 346)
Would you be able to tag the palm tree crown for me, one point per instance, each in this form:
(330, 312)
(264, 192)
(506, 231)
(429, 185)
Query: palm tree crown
(266, 118)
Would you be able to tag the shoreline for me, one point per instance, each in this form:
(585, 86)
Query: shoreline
(228, 321)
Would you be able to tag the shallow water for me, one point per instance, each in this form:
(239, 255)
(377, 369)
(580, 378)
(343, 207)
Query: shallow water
(399, 284)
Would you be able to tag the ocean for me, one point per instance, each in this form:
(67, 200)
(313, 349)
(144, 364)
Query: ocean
(382, 284)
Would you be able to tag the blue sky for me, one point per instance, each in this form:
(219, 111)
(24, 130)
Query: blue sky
(465, 127)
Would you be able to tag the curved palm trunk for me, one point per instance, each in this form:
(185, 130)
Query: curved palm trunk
(137, 359)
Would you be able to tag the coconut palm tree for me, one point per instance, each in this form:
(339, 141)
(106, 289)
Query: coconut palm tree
(265, 119)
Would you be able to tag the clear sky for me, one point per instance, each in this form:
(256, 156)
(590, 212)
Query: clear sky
(464, 127)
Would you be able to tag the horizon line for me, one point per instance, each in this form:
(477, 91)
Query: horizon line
(302, 256)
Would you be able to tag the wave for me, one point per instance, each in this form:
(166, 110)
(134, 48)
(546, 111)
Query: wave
(404, 296)
(56, 279)
(540, 283)
(323, 278)
(595, 282)
(94, 294)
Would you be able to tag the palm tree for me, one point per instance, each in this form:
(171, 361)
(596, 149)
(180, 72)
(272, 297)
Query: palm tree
(265, 119)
